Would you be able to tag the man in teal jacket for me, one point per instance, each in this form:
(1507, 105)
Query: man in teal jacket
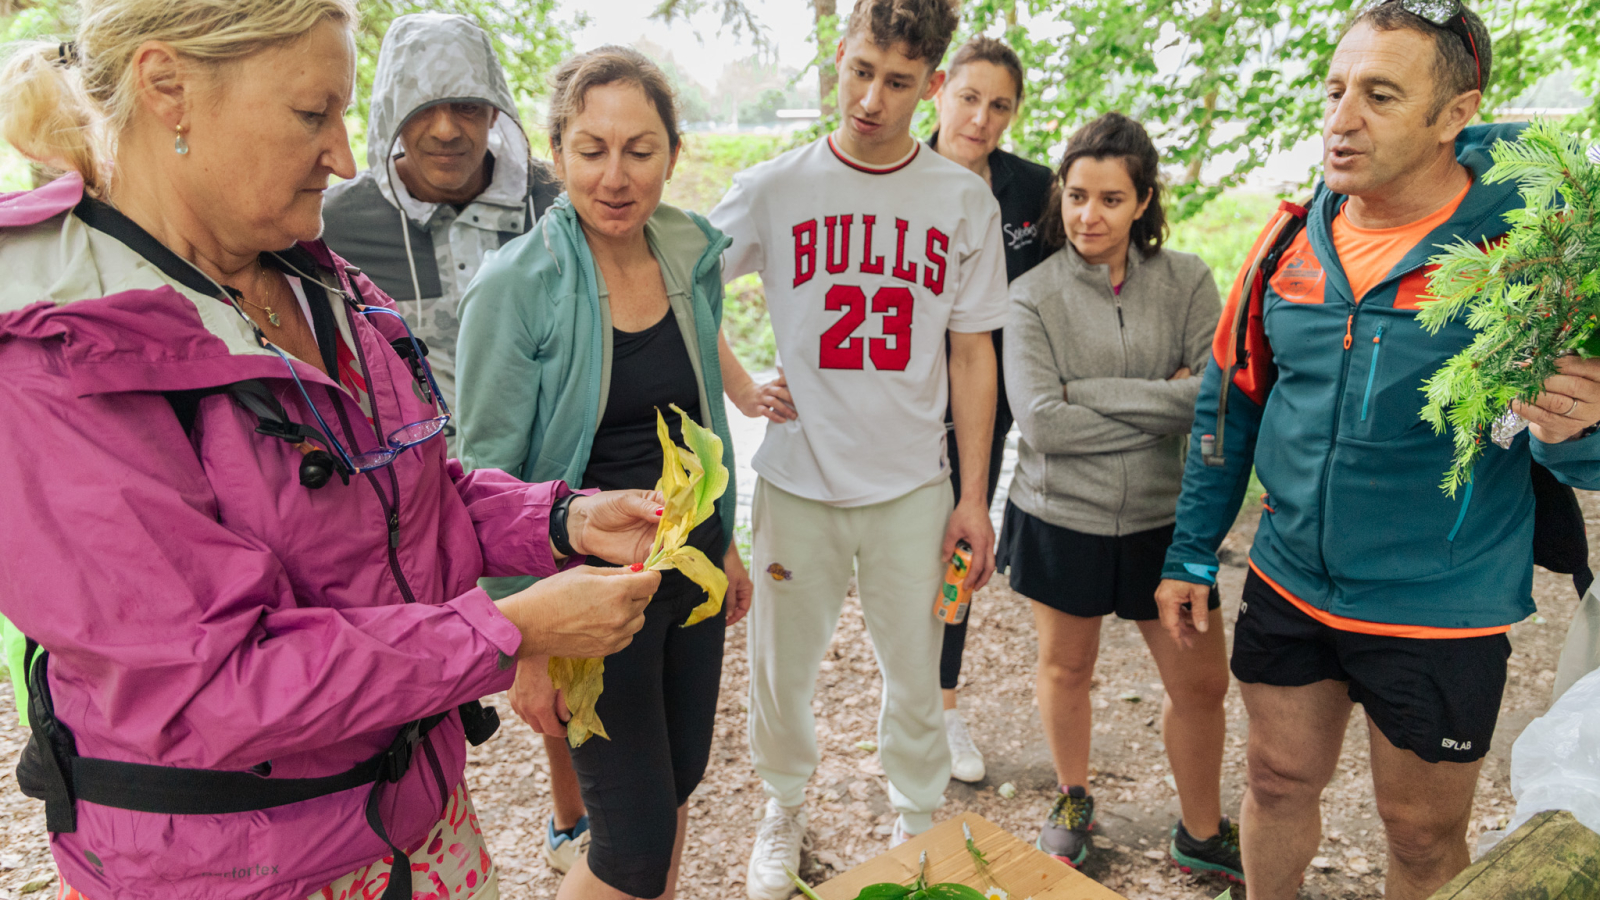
(1368, 584)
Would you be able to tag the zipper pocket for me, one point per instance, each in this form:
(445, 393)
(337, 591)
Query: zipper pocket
(1372, 371)
(1461, 516)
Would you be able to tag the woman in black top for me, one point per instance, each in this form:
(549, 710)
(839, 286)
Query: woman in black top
(979, 98)
(612, 272)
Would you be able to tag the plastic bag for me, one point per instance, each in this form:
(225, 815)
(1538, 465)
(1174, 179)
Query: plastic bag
(1581, 653)
(1555, 763)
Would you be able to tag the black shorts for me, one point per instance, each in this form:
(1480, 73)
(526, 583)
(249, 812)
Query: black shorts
(659, 706)
(1086, 575)
(1437, 697)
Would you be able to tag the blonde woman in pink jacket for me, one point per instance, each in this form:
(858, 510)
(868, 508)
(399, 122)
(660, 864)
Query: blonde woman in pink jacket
(242, 571)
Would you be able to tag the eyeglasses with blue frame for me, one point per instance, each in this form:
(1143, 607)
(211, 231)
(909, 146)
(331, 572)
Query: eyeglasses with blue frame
(397, 441)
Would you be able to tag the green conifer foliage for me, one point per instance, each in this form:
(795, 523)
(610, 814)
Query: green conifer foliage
(1532, 297)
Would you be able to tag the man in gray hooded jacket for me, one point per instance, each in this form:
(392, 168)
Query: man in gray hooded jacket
(449, 177)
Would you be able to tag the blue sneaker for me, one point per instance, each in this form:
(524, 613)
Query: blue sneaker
(562, 848)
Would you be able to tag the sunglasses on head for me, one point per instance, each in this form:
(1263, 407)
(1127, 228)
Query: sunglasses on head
(1450, 16)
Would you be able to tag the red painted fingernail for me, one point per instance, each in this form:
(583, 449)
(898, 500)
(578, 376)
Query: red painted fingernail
(636, 567)
(660, 511)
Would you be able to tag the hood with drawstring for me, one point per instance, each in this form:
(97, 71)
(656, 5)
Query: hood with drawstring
(424, 254)
(432, 58)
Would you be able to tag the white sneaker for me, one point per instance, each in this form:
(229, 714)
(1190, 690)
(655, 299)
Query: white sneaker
(966, 763)
(899, 835)
(776, 853)
(562, 850)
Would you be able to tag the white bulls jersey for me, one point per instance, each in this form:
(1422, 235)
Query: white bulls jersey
(864, 269)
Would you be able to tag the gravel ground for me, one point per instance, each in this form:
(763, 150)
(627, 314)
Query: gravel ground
(851, 818)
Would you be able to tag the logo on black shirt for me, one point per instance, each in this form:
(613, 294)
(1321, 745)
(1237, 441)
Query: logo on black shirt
(1019, 236)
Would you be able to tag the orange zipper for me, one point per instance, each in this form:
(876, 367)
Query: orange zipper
(1348, 340)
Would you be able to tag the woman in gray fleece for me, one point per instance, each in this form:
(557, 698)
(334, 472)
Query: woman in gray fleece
(1100, 351)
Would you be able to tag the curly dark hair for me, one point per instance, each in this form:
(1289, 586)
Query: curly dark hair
(1113, 136)
(924, 26)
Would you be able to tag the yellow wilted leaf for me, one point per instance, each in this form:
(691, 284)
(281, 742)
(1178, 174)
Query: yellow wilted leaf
(707, 448)
(691, 484)
(580, 681)
(676, 484)
(700, 570)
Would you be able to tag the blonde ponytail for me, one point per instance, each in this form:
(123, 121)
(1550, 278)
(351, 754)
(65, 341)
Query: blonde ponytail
(65, 109)
(46, 115)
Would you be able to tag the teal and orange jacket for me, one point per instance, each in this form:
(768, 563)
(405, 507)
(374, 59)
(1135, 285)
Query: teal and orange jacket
(1355, 524)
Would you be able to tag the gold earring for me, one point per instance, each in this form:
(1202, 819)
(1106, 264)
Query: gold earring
(180, 146)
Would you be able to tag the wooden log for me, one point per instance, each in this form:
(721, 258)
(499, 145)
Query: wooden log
(1551, 857)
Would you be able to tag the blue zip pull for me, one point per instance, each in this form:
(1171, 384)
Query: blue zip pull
(1372, 371)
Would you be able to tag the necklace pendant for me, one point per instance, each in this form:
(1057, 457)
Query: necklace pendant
(273, 318)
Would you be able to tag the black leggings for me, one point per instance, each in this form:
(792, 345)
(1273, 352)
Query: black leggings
(955, 636)
(659, 706)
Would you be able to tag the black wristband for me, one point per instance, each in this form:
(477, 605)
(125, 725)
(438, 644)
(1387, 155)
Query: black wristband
(558, 527)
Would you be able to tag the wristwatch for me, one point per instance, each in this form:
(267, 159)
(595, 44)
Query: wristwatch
(558, 526)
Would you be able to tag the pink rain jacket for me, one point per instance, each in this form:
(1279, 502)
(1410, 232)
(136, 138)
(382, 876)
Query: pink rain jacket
(201, 608)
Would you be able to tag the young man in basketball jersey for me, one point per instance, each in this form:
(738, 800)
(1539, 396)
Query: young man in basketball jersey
(871, 248)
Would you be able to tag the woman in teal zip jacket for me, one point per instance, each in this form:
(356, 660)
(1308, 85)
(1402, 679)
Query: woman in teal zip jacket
(572, 337)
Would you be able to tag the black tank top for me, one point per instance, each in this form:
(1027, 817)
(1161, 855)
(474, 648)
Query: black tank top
(650, 370)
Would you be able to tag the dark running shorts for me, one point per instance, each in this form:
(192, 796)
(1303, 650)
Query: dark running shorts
(1086, 575)
(1437, 697)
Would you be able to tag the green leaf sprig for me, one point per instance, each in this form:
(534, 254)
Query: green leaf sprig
(1532, 296)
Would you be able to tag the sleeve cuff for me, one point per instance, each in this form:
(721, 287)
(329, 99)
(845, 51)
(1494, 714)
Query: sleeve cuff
(1577, 449)
(1194, 573)
(482, 614)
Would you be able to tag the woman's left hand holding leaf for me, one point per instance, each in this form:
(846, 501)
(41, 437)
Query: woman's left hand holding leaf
(616, 526)
(535, 700)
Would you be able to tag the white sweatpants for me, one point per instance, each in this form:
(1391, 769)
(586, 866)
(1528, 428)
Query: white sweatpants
(803, 557)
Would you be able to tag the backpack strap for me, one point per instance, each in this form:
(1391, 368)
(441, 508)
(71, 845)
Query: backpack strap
(1242, 349)
(1560, 543)
(253, 394)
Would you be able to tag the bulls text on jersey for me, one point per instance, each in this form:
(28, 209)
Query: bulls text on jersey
(840, 349)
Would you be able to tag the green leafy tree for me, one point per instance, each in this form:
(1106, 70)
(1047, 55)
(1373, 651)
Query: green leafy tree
(1240, 79)
(1207, 77)
(1534, 38)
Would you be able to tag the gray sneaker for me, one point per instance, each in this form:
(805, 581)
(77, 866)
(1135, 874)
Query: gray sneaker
(1066, 830)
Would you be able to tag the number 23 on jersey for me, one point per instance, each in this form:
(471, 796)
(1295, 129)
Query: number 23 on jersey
(840, 348)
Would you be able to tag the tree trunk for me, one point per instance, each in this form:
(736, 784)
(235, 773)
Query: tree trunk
(827, 75)
(1193, 173)
(1199, 159)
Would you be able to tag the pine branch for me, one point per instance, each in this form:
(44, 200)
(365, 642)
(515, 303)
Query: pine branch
(1532, 296)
